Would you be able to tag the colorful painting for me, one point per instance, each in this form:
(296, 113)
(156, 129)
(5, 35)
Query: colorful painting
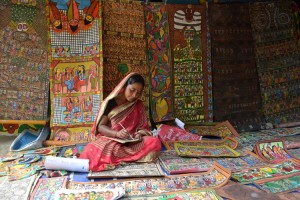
(24, 74)
(205, 151)
(282, 132)
(192, 77)
(130, 170)
(18, 189)
(21, 171)
(75, 57)
(159, 59)
(70, 151)
(273, 151)
(278, 60)
(228, 141)
(107, 194)
(236, 91)
(281, 185)
(124, 44)
(215, 177)
(46, 187)
(208, 194)
(268, 172)
(174, 164)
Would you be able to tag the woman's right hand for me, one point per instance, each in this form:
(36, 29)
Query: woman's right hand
(122, 134)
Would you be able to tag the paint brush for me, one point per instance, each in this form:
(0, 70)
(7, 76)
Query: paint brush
(126, 131)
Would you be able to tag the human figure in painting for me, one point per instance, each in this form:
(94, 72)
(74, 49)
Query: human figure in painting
(69, 79)
(122, 115)
(57, 81)
(79, 78)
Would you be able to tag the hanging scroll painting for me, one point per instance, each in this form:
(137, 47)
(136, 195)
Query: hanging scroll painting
(236, 89)
(75, 54)
(192, 78)
(278, 60)
(159, 59)
(23, 63)
(124, 44)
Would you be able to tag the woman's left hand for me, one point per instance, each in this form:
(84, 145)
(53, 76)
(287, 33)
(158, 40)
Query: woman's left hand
(138, 136)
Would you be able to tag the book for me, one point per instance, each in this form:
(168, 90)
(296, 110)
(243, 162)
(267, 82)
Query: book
(123, 141)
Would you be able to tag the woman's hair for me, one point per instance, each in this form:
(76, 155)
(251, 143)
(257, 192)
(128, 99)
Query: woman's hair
(136, 78)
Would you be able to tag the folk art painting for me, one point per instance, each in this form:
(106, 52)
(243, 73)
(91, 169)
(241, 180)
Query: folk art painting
(280, 186)
(21, 188)
(174, 164)
(215, 177)
(273, 151)
(208, 194)
(159, 58)
(74, 38)
(268, 172)
(228, 141)
(130, 170)
(124, 44)
(108, 194)
(191, 74)
(222, 130)
(41, 189)
(205, 151)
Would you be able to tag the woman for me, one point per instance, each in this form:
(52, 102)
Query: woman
(122, 115)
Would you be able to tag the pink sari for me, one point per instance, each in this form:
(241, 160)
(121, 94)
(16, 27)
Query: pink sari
(104, 153)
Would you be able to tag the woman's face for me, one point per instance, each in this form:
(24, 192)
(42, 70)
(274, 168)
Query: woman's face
(133, 91)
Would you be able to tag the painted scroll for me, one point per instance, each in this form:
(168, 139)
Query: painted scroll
(130, 170)
(75, 54)
(24, 77)
(124, 44)
(205, 151)
(236, 89)
(192, 78)
(159, 59)
(215, 177)
(278, 60)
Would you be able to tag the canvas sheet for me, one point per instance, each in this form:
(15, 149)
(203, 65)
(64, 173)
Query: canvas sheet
(191, 75)
(236, 91)
(278, 60)
(75, 55)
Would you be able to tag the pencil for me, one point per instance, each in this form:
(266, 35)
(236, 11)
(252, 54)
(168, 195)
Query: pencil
(126, 130)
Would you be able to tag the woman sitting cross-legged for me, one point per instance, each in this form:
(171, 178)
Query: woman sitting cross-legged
(122, 115)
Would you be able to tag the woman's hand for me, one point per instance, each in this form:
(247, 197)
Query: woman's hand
(138, 135)
(123, 134)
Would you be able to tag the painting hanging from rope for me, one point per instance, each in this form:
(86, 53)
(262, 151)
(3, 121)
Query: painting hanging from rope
(24, 74)
(236, 89)
(159, 59)
(124, 44)
(192, 77)
(76, 67)
(278, 60)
